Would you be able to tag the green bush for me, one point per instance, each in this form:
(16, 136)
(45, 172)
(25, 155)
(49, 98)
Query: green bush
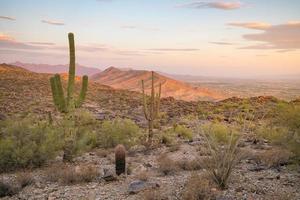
(183, 131)
(118, 131)
(26, 142)
(224, 153)
(220, 132)
(284, 130)
(31, 141)
(78, 131)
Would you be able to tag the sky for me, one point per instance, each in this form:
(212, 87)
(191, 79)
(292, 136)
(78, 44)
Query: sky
(229, 38)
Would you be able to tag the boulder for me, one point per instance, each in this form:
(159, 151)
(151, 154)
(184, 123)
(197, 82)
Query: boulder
(137, 186)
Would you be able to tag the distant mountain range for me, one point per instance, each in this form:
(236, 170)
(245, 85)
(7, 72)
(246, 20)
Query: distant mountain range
(131, 80)
(45, 68)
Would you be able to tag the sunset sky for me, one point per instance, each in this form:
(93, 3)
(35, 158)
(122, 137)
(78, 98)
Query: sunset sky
(244, 38)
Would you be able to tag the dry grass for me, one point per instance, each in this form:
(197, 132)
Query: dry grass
(274, 157)
(153, 195)
(198, 187)
(174, 147)
(24, 179)
(166, 165)
(103, 153)
(190, 165)
(67, 174)
(143, 176)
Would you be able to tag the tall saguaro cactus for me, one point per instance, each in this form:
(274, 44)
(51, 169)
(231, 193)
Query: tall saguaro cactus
(67, 104)
(151, 113)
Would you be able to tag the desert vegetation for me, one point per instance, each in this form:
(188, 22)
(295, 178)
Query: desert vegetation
(97, 146)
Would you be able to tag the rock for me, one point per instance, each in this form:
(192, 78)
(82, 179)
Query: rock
(2, 117)
(109, 175)
(137, 186)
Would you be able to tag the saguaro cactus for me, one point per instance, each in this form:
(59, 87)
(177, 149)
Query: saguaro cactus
(120, 159)
(151, 113)
(67, 104)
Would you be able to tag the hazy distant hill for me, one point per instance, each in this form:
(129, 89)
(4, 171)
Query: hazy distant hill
(45, 68)
(131, 80)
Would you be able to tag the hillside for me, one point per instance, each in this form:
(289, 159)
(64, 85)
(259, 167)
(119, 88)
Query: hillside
(131, 80)
(52, 69)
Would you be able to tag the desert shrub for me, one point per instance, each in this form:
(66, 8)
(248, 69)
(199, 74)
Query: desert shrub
(119, 131)
(174, 147)
(166, 165)
(284, 130)
(26, 142)
(7, 189)
(153, 194)
(198, 187)
(220, 132)
(24, 179)
(78, 130)
(225, 155)
(168, 136)
(67, 174)
(274, 157)
(189, 165)
(183, 132)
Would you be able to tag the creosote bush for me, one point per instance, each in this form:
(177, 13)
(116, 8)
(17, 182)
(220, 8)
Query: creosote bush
(26, 142)
(284, 129)
(31, 141)
(274, 157)
(67, 174)
(198, 187)
(224, 155)
(166, 165)
(118, 131)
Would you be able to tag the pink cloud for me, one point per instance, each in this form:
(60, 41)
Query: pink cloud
(229, 5)
(282, 37)
(251, 25)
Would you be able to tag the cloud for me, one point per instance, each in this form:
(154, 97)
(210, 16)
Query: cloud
(42, 43)
(7, 18)
(4, 37)
(53, 22)
(140, 28)
(172, 49)
(129, 27)
(281, 37)
(229, 5)
(251, 25)
(8, 42)
(222, 43)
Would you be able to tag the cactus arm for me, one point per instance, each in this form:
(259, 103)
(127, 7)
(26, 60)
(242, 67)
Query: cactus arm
(145, 106)
(83, 91)
(54, 91)
(152, 96)
(71, 80)
(60, 94)
(157, 106)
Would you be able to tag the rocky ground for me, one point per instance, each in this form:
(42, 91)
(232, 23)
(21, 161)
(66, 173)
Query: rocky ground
(250, 180)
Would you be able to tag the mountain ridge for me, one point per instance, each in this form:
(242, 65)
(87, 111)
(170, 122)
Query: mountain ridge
(131, 80)
(53, 69)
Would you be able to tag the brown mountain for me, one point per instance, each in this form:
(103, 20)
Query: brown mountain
(131, 80)
(45, 68)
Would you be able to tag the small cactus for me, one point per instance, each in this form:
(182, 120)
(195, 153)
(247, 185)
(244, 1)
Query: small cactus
(120, 159)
